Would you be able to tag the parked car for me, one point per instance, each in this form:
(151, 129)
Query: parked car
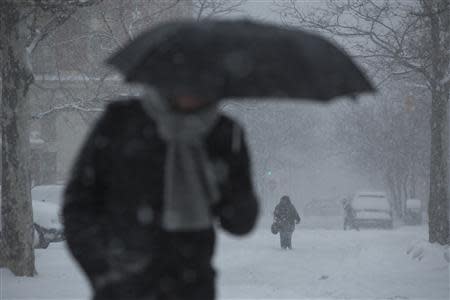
(413, 212)
(46, 201)
(372, 209)
(47, 226)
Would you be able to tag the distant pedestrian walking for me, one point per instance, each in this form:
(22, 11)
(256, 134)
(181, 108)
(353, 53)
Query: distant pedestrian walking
(285, 217)
(349, 215)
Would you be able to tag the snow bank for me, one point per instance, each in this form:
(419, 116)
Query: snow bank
(422, 250)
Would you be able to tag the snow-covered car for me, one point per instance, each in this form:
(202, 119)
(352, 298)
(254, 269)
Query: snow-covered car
(47, 225)
(46, 201)
(372, 209)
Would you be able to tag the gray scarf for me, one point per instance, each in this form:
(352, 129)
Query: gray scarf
(190, 179)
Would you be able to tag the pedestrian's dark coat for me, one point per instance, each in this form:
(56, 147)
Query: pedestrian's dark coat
(349, 211)
(350, 215)
(286, 215)
(113, 207)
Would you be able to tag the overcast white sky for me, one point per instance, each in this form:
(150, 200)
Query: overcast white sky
(261, 9)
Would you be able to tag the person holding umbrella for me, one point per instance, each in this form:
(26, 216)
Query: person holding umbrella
(286, 217)
(145, 191)
(157, 173)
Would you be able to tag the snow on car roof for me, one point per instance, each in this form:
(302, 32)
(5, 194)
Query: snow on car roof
(371, 193)
(46, 215)
(48, 193)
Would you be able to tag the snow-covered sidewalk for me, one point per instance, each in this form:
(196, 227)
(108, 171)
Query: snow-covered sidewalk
(369, 264)
(324, 264)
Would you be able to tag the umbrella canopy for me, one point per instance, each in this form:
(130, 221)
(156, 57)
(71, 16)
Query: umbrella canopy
(239, 59)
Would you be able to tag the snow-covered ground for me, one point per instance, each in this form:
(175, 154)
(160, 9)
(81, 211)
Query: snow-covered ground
(369, 264)
(324, 264)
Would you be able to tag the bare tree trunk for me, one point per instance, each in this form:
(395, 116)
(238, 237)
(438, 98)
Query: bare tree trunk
(405, 195)
(398, 187)
(17, 215)
(395, 201)
(412, 184)
(438, 204)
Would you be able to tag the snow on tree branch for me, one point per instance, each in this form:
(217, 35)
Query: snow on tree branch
(79, 106)
(387, 35)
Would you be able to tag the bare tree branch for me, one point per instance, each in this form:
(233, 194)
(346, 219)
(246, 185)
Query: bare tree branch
(362, 21)
(206, 9)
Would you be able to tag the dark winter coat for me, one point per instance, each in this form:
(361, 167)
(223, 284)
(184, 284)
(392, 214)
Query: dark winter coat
(285, 215)
(113, 205)
(349, 211)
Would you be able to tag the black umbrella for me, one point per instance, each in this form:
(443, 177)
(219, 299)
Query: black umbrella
(233, 59)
